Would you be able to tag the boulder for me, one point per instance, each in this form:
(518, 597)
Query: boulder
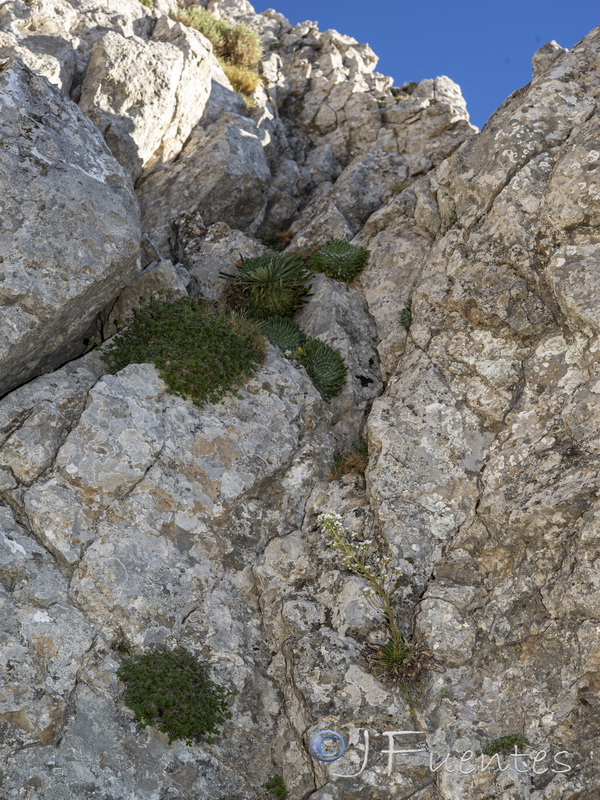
(146, 97)
(221, 173)
(69, 229)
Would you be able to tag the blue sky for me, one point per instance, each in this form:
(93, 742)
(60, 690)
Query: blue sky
(483, 45)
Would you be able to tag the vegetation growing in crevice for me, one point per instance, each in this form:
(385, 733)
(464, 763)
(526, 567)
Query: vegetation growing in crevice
(379, 578)
(275, 789)
(269, 289)
(283, 332)
(243, 79)
(406, 315)
(277, 241)
(274, 284)
(339, 260)
(325, 367)
(398, 187)
(348, 461)
(200, 355)
(505, 745)
(173, 691)
(237, 47)
(450, 222)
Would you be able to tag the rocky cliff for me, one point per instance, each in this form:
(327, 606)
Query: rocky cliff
(131, 520)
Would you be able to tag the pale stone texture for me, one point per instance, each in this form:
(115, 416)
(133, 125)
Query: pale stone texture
(69, 229)
(152, 497)
(130, 518)
(484, 476)
(337, 314)
(146, 97)
(222, 174)
(207, 251)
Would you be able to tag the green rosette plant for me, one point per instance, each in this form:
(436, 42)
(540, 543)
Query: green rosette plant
(339, 260)
(274, 284)
(283, 332)
(324, 365)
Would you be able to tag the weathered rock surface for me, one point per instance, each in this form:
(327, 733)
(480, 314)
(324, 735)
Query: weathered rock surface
(337, 314)
(207, 251)
(146, 97)
(69, 230)
(221, 174)
(484, 479)
(130, 519)
(133, 474)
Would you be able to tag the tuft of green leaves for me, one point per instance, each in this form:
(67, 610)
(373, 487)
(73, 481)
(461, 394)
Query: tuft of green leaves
(199, 354)
(339, 260)
(406, 315)
(276, 788)
(408, 88)
(173, 691)
(275, 284)
(451, 221)
(147, 3)
(505, 745)
(325, 366)
(282, 332)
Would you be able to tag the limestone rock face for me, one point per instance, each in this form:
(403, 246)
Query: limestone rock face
(208, 251)
(69, 231)
(337, 314)
(544, 58)
(146, 97)
(222, 174)
(131, 519)
(134, 473)
(482, 473)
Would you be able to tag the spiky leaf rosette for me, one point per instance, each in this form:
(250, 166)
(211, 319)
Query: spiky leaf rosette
(325, 366)
(173, 691)
(282, 332)
(276, 283)
(339, 260)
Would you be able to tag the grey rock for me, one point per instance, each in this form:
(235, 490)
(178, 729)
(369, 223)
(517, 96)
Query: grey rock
(546, 57)
(222, 174)
(70, 228)
(337, 314)
(206, 252)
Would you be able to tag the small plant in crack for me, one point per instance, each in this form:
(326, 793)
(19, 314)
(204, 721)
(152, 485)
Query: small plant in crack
(348, 461)
(505, 745)
(379, 577)
(406, 316)
(275, 789)
(451, 222)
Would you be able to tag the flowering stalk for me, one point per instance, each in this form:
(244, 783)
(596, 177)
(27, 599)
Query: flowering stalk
(378, 580)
